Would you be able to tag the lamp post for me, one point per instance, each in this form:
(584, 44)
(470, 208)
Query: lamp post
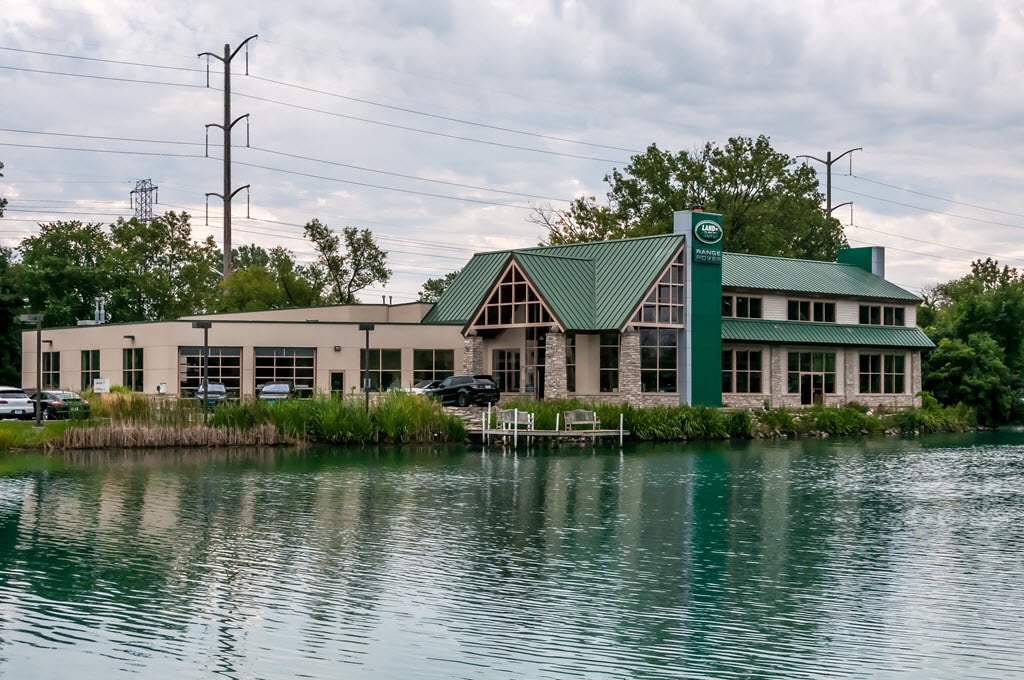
(205, 325)
(366, 363)
(38, 320)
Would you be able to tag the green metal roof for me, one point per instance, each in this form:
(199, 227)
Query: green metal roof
(807, 333)
(588, 286)
(762, 272)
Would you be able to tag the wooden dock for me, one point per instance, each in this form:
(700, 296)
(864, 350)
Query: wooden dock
(511, 437)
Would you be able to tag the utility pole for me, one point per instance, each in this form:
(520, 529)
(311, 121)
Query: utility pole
(226, 127)
(144, 203)
(828, 176)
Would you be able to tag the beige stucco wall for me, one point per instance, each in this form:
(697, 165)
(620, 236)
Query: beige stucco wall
(161, 340)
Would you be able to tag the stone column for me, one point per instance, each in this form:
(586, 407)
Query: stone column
(554, 365)
(629, 366)
(472, 354)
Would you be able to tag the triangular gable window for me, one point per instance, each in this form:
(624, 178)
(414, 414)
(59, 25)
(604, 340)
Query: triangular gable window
(663, 305)
(513, 302)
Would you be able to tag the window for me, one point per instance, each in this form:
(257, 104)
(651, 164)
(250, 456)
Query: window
(51, 370)
(811, 375)
(432, 364)
(811, 310)
(741, 307)
(535, 355)
(384, 368)
(609, 362)
(664, 304)
(570, 362)
(741, 371)
(882, 315)
(224, 366)
(658, 359)
(882, 373)
(293, 365)
(513, 302)
(90, 367)
(505, 364)
(131, 364)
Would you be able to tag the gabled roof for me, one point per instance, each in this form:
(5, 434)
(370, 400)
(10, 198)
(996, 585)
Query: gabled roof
(806, 276)
(588, 286)
(808, 333)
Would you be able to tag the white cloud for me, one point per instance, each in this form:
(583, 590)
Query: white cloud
(928, 89)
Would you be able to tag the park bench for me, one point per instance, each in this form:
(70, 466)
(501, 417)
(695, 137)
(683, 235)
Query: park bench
(581, 416)
(513, 418)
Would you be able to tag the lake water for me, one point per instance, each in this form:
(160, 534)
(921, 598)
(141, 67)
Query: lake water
(880, 558)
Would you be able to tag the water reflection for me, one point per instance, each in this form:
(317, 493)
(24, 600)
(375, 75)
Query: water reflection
(880, 558)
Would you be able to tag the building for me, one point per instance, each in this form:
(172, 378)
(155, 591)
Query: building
(657, 320)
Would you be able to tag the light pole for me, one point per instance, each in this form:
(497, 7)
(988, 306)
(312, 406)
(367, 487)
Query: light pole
(38, 320)
(205, 325)
(366, 363)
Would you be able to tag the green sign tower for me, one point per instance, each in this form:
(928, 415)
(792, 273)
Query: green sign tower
(700, 342)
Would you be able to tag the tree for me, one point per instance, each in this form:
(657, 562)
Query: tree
(770, 205)
(971, 373)
(158, 271)
(269, 280)
(349, 270)
(62, 270)
(433, 289)
(11, 306)
(3, 201)
(990, 299)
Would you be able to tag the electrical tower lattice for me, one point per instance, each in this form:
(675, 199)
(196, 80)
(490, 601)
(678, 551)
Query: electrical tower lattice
(143, 196)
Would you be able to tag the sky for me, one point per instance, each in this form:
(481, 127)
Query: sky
(440, 126)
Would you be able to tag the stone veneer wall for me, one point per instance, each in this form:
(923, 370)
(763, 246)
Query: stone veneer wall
(554, 366)
(848, 379)
(472, 355)
(629, 367)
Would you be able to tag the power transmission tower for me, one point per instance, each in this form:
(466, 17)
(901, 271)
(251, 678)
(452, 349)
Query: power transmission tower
(143, 196)
(226, 127)
(828, 176)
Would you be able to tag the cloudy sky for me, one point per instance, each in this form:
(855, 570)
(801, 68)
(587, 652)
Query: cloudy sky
(438, 125)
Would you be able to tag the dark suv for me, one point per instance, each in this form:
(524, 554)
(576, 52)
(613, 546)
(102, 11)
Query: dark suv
(60, 404)
(464, 390)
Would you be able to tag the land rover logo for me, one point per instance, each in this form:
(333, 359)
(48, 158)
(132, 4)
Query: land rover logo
(708, 232)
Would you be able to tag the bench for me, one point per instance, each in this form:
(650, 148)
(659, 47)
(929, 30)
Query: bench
(581, 416)
(513, 418)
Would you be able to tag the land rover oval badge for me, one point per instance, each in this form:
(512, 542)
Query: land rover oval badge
(708, 232)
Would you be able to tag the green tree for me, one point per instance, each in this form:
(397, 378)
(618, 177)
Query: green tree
(271, 279)
(972, 373)
(770, 205)
(989, 299)
(11, 306)
(63, 269)
(349, 263)
(433, 289)
(158, 271)
(3, 201)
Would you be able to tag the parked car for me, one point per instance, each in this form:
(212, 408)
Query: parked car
(464, 390)
(14, 403)
(422, 386)
(276, 392)
(60, 404)
(215, 393)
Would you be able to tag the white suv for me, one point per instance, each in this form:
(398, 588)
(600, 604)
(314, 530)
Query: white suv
(14, 403)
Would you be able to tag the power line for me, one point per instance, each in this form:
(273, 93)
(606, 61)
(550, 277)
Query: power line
(409, 128)
(94, 77)
(102, 61)
(936, 212)
(446, 118)
(938, 198)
